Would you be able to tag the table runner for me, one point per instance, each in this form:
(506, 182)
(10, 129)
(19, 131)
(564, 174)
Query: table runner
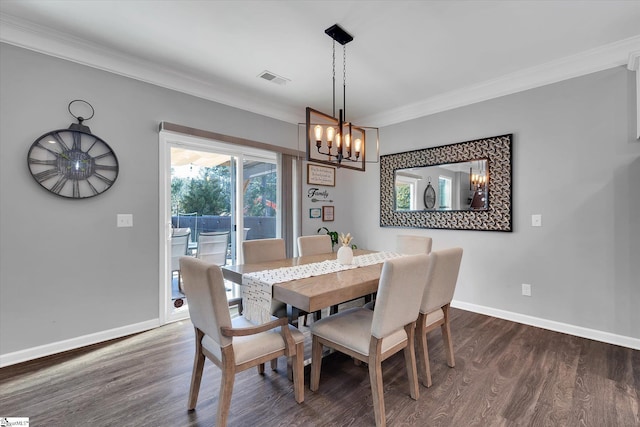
(256, 289)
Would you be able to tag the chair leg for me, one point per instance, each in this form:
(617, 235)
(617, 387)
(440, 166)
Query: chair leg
(261, 369)
(226, 387)
(375, 378)
(410, 361)
(316, 363)
(424, 369)
(196, 376)
(446, 337)
(298, 373)
(274, 364)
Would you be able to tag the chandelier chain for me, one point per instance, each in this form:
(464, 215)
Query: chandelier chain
(334, 78)
(344, 81)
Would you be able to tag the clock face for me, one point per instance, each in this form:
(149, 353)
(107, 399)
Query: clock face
(72, 163)
(429, 197)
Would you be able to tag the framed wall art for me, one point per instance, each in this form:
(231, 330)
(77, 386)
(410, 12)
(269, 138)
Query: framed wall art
(321, 175)
(327, 213)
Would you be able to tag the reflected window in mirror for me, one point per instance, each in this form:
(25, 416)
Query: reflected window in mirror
(407, 191)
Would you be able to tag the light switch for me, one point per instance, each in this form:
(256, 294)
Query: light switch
(536, 220)
(124, 220)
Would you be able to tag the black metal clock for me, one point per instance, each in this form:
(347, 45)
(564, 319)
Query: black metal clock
(429, 196)
(73, 162)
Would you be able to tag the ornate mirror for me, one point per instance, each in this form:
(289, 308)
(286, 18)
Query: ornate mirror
(463, 186)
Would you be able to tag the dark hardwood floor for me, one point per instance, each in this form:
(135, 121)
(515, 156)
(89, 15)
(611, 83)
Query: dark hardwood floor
(506, 374)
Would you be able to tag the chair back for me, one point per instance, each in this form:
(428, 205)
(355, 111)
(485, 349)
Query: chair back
(313, 245)
(179, 246)
(263, 250)
(441, 279)
(203, 285)
(411, 245)
(402, 283)
(213, 246)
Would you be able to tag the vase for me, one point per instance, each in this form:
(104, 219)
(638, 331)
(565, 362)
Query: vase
(345, 255)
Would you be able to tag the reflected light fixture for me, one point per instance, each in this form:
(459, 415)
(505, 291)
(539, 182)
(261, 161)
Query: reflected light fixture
(330, 139)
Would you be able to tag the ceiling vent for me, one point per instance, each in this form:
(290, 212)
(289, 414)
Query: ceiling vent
(273, 78)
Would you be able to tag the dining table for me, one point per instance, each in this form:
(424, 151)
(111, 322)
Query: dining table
(314, 293)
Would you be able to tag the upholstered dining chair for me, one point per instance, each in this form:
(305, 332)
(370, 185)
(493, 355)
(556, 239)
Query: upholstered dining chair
(179, 247)
(373, 336)
(442, 276)
(264, 250)
(234, 345)
(213, 246)
(409, 244)
(313, 245)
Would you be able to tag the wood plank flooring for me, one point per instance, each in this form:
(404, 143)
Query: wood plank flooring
(506, 374)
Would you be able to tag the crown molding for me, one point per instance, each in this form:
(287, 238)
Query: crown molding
(27, 35)
(598, 59)
(33, 37)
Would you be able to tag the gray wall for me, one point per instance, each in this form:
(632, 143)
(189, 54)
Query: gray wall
(576, 162)
(65, 269)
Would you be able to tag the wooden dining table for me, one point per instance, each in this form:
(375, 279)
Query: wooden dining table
(317, 292)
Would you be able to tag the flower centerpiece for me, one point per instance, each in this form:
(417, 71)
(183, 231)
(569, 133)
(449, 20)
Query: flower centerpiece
(345, 253)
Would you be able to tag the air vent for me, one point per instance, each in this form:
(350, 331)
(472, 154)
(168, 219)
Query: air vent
(273, 78)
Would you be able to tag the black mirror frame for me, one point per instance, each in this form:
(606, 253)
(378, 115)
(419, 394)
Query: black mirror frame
(498, 217)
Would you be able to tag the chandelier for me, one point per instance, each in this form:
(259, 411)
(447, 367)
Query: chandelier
(330, 139)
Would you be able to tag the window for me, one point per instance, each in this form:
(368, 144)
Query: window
(444, 186)
(406, 193)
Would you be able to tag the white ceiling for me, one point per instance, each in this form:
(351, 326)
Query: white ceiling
(408, 58)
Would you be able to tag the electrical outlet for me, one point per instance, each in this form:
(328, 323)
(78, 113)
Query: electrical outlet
(536, 220)
(526, 290)
(124, 220)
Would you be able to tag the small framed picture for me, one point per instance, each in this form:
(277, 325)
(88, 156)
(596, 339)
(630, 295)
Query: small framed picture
(321, 175)
(327, 213)
(315, 213)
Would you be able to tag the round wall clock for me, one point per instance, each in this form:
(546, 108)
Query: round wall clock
(429, 196)
(73, 162)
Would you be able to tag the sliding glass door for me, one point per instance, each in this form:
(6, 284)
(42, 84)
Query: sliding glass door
(217, 195)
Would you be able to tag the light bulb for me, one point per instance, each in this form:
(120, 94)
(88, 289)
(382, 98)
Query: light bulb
(318, 132)
(330, 133)
(358, 145)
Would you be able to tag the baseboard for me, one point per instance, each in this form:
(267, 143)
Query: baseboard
(73, 343)
(551, 325)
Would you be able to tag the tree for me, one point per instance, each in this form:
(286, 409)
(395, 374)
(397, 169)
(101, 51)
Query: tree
(260, 195)
(403, 196)
(209, 194)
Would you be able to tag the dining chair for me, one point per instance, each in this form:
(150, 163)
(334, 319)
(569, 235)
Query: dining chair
(373, 336)
(179, 247)
(264, 250)
(213, 247)
(313, 245)
(410, 244)
(442, 276)
(234, 345)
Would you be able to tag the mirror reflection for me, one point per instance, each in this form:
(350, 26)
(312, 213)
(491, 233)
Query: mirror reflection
(447, 187)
